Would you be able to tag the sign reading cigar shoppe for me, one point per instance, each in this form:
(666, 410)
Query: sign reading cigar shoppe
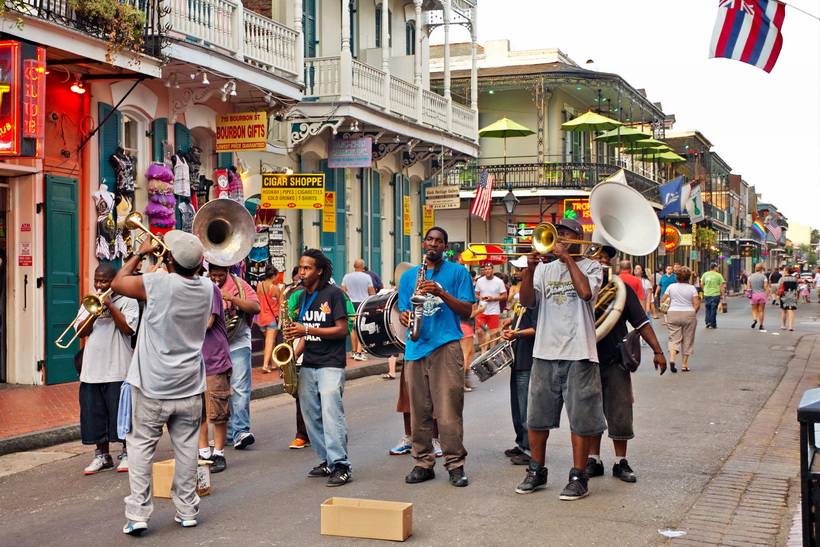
(303, 191)
(241, 131)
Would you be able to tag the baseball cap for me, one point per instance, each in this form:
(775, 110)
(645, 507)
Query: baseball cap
(571, 224)
(520, 262)
(713, 265)
(610, 250)
(185, 248)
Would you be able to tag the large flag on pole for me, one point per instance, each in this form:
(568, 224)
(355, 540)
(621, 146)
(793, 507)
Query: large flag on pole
(670, 196)
(774, 228)
(483, 196)
(749, 31)
(694, 206)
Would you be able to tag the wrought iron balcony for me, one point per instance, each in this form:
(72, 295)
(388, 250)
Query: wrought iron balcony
(552, 175)
(61, 12)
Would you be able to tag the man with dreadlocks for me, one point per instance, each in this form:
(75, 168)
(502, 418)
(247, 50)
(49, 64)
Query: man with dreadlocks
(319, 315)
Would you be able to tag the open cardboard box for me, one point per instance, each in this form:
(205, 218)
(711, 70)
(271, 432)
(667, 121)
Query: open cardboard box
(367, 519)
(164, 476)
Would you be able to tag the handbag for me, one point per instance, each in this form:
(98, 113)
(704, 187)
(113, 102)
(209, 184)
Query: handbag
(630, 351)
(781, 290)
(748, 293)
(664, 307)
(723, 308)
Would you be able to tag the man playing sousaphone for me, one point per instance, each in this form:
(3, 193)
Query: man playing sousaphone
(565, 359)
(434, 362)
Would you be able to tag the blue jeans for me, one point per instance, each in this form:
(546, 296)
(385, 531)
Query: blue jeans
(240, 420)
(320, 395)
(519, 390)
(711, 303)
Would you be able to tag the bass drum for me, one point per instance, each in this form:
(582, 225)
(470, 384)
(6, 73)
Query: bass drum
(378, 326)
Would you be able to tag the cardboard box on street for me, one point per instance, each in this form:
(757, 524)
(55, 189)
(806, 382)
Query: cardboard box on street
(367, 519)
(164, 476)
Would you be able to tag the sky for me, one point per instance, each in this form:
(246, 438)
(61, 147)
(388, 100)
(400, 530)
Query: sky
(766, 127)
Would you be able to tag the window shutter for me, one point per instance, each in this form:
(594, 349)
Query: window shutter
(182, 137)
(109, 137)
(224, 159)
(309, 27)
(334, 244)
(159, 132)
(379, 26)
(375, 222)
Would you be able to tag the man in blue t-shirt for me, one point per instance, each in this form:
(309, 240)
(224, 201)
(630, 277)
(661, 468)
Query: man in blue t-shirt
(435, 363)
(666, 279)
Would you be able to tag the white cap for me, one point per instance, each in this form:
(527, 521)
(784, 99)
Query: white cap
(520, 262)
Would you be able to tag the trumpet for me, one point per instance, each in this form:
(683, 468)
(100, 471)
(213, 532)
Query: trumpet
(544, 239)
(93, 304)
(133, 221)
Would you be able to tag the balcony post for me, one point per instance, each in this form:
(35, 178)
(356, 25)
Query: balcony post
(300, 41)
(238, 31)
(386, 53)
(417, 81)
(346, 57)
(447, 95)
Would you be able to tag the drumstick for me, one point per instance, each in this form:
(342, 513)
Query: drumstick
(521, 310)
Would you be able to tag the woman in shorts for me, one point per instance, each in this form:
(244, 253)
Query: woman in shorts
(759, 285)
(268, 320)
(788, 300)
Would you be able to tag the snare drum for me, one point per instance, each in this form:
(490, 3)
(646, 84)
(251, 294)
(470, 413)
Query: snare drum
(378, 326)
(492, 362)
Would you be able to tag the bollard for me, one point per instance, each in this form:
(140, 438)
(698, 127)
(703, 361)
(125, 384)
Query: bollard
(808, 414)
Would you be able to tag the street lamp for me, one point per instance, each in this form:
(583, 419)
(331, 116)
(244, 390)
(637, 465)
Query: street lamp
(510, 203)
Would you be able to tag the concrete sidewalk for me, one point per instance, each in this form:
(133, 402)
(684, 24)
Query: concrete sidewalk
(35, 417)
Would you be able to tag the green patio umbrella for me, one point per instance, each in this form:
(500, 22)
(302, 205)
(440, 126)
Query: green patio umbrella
(647, 150)
(666, 156)
(590, 121)
(623, 135)
(504, 128)
(647, 143)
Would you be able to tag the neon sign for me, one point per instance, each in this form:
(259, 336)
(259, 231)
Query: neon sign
(22, 99)
(670, 236)
(578, 209)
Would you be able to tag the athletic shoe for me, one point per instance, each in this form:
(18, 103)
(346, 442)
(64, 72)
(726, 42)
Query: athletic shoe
(360, 357)
(437, 448)
(536, 478)
(521, 459)
(219, 464)
(576, 488)
(420, 474)
(123, 466)
(515, 451)
(403, 447)
(134, 527)
(299, 443)
(101, 462)
(595, 468)
(339, 476)
(321, 470)
(623, 471)
(190, 523)
(244, 440)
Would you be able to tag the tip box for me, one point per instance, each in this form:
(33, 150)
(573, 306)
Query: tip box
(367, 519)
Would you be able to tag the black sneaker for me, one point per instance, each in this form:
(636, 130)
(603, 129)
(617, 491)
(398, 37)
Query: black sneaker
(321, 470)
(513, 452)
(457, 477)
(420, 474)
(339, 476)
(595, 468)
(623, 471)
(244, 440)
(576, 488)
(536, 478)
(219, 464)
(521, 459)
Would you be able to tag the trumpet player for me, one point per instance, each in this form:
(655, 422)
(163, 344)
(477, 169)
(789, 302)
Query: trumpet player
(434, 361)
(565, 359)
(105, 361)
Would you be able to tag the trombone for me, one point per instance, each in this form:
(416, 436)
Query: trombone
(133, 221)
(93, 304)
(544, 238)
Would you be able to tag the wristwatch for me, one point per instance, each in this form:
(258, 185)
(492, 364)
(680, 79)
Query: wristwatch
(658, 353)
(139, 254)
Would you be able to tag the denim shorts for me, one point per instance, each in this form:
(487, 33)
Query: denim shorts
(270, 326)
(576, 383)
(616, 388)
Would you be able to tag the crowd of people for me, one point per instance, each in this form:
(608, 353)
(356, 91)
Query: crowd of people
(172, 349)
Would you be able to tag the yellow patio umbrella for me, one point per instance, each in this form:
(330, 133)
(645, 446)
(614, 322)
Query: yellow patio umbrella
(590, 121)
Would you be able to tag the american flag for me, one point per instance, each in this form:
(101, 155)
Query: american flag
(749, 31)
(774, 228)
(483, 196)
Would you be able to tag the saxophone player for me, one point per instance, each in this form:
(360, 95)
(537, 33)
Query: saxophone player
(434, 361)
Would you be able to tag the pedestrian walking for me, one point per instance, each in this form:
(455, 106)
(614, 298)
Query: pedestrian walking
(268, 293)
(666, 279)
(788, 298)
(682, 321)
(714, 293)
(358, 286)
(758, 285)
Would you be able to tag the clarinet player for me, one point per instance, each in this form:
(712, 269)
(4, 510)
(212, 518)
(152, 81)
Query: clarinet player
(435, 362)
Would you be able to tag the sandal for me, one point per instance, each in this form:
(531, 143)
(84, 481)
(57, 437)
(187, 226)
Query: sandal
(387, 376)
(686, 369)
(266, 370)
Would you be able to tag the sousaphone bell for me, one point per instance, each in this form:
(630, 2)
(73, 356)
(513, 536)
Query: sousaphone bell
(226, 230)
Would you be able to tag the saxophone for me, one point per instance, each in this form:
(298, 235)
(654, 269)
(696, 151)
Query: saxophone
(417, 300)
(283, 354)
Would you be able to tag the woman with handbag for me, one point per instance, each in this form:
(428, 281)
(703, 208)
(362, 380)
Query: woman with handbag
(684, 303)
(788, 298)
(759, 285)
(268, 292)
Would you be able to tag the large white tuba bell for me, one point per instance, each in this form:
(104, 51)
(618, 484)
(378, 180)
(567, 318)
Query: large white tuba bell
(226, 230)
(624, 219)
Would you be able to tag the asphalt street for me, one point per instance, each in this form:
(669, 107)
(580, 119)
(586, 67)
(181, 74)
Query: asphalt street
(687, 424)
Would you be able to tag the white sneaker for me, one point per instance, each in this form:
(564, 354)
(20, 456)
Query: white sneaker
(360, 357)
(123, 466)
(185, 523)
(101, 462)
(437, 448)
(134, 527)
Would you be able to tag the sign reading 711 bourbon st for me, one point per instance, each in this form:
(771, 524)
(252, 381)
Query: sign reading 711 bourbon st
(303, 191)
(241, 131)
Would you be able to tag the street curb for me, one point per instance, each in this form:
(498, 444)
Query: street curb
(45, 438)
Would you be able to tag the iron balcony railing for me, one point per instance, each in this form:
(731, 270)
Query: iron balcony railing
(558, 175)
(59, 11)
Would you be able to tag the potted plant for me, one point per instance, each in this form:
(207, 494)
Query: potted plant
(121, 23)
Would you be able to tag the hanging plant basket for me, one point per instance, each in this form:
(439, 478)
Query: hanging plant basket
(122, 24)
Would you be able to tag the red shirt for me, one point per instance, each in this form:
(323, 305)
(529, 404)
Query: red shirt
(634, 282)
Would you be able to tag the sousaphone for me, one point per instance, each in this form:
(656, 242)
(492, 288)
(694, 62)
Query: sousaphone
(226, 230)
